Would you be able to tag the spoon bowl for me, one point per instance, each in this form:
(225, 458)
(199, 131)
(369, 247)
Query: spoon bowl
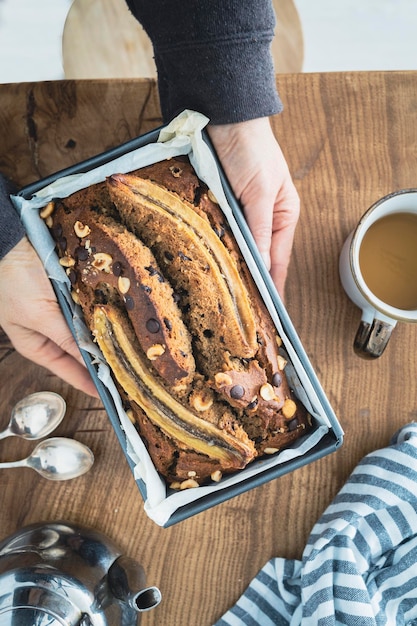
(35, 416)
(58, 458)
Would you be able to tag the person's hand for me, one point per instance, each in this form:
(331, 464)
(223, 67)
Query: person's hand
(31, 318)
(259, 175)
(261, 181)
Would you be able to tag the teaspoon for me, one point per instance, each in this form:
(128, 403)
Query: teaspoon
(57, 458)
(36, 416)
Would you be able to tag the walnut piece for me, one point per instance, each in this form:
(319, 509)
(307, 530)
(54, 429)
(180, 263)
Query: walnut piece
(47, 210)
(81, 230)
(123, 284)
(289, 409)
(155, 351)
(102, 261)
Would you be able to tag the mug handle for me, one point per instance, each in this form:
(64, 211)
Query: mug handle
(372, 338)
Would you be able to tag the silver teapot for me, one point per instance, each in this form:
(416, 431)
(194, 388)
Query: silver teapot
(59, 574)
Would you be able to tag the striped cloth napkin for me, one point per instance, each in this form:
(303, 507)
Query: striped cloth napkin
(359, 567)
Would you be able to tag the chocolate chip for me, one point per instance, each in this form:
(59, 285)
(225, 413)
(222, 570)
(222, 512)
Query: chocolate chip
(72, 275)
(168, 255)
(117, 268)
(154, 272)
(208, 333)
(292, 424)
(146, 289)
(56, 231)
(81, 253)
(183, 256)
(59, 205)
(237, 392)
(168, 323)
(253, 404)
(129, 302)
(153, 325)
(62, 243)
(276, 379)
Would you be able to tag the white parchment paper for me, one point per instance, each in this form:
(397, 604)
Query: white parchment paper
(183, 136)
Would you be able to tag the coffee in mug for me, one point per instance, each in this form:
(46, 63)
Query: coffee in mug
(388, 259)
(378, 269)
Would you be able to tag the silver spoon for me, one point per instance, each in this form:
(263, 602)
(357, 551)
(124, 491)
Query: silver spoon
(57, 458)
(36, 416)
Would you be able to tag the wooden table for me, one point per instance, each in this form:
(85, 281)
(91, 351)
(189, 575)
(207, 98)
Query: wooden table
(349, 138)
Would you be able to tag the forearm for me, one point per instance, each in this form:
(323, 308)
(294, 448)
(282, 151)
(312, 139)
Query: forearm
(11, 231)
(213, 57)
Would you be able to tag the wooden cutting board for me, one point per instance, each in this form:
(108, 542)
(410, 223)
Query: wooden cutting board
(102, 39)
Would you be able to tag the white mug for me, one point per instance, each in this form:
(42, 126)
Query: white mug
(379, 272)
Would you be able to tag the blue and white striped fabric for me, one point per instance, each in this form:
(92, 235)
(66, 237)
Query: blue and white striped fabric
(359, 567)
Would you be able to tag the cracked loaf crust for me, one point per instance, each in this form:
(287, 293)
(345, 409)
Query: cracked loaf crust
(176, 313)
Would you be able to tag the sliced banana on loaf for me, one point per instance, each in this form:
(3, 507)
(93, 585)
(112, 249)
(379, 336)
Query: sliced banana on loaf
(176, 313)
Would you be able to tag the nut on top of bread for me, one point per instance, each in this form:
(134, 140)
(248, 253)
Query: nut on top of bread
(175, 311)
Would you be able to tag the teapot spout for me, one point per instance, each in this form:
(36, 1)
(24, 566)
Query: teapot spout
(147, 599)
(126, 582)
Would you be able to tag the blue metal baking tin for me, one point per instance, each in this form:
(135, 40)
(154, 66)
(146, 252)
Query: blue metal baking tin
(328, 444)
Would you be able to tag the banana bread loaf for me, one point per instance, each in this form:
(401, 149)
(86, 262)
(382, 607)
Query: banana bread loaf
(175, 311)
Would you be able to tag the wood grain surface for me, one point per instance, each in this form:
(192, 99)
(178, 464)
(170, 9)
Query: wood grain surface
(349, 138)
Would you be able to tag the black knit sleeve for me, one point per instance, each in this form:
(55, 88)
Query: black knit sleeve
(11, 231)
(212, 56)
